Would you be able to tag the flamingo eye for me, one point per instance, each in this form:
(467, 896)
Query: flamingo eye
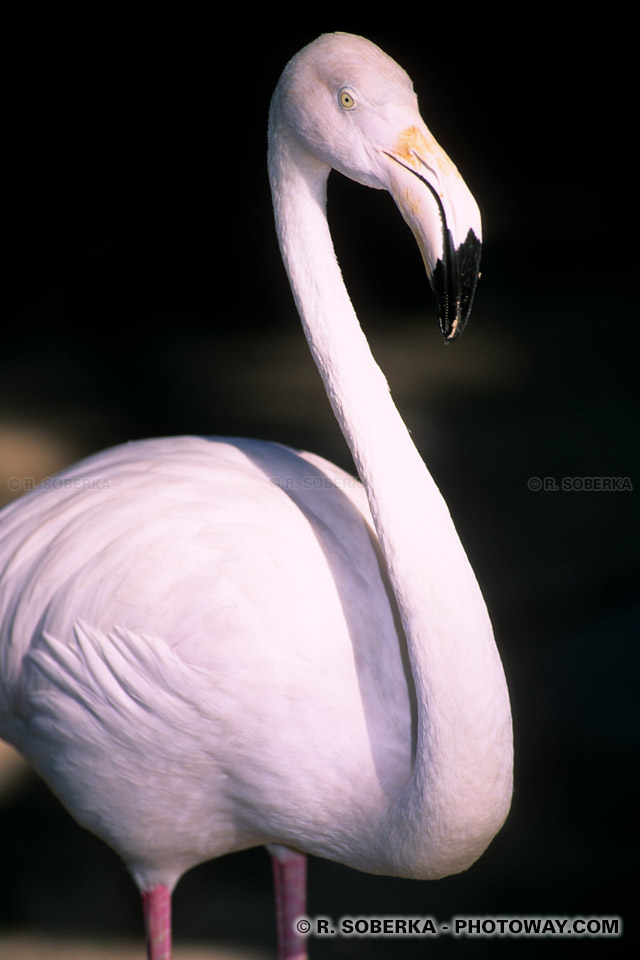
(346, 99)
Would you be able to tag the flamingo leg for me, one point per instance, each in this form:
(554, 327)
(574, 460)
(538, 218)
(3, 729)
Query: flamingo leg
(156, 904)
(290, 879)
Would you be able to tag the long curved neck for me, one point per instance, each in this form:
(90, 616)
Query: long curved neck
(459, 791)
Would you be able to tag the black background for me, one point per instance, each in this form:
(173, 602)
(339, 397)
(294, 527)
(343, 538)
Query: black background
(144, 296)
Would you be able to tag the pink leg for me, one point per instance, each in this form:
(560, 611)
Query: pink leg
(290, 876)
(156, 904)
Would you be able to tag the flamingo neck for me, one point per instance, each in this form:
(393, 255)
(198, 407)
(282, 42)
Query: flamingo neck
(460, 788)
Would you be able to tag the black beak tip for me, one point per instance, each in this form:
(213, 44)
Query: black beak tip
(454, 282)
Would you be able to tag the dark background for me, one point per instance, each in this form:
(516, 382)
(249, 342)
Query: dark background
(145, 296)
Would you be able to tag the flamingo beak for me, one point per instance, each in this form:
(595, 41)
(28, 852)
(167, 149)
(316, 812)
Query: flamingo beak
(445, 221)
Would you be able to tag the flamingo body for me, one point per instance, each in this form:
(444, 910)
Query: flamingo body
(207, 645)
(142, 664)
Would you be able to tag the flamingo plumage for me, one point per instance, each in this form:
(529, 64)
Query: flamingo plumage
(212, 644)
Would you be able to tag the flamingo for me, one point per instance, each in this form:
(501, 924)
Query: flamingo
(212, 644)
